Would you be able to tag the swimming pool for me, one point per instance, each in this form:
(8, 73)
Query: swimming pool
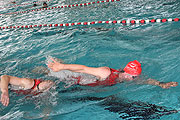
(155, 45)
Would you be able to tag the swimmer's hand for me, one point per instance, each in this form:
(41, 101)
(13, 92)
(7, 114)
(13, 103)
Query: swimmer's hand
(164, 85)
(5, 98)
(168, 85)
(55, 66)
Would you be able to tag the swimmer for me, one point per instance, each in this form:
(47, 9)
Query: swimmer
(23, 85)
(45, 5)
(107, 76)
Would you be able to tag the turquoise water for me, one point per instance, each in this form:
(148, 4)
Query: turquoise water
(155, 45)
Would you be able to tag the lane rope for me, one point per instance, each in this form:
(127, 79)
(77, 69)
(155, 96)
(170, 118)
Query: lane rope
(24, 4)
(124, 22)
(65, 6)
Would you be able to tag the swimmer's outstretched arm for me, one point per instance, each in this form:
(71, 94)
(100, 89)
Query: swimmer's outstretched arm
(160, 84)
(100, 72)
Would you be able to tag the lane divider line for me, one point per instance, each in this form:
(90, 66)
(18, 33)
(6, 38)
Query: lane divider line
(124, 22)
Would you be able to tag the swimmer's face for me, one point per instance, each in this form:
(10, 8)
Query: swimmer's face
(46, 85)
(126, 76)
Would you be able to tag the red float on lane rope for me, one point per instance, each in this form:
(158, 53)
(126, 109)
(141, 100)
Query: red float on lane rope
(124, 22)
(153, 20)
(176, 19)
(164, 20)
(133, 21)
(142, 21)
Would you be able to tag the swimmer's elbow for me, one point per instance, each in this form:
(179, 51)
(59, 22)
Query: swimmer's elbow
(5, 77)
(84, 68)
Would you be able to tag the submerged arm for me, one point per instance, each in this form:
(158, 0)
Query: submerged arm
(160, 84)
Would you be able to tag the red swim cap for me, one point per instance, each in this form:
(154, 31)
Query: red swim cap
(133, 68)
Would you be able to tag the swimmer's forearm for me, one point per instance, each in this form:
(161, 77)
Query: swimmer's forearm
(56, 66)
(164, 85)
(153, 82)
(4, 83)
(5, 79)
(85, 69)
(74, 67)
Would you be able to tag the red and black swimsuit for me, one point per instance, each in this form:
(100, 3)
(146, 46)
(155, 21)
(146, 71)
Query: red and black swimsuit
(29, 91)
(36, 83)
(109, 81)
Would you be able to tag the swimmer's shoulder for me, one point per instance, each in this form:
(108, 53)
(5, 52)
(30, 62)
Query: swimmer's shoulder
(105, 68)
(104, 72)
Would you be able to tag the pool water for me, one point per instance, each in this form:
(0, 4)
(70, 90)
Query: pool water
(155, 45)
